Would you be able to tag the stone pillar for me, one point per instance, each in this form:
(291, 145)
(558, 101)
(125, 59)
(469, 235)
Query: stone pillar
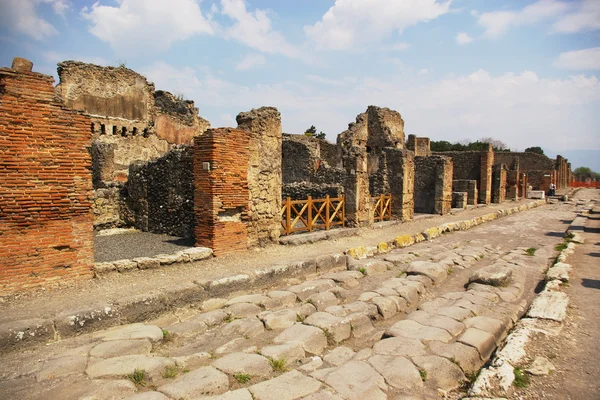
(264, 174)
(512, 182)
(221, 195)
(485, 184)
(103, 163)
(569, 174)
(523, 185)
(499, 183)
(443, 186)
(400, 166)
(356, 189)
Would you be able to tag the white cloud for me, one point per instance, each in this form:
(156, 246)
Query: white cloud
(585, 18)
(351, 22)
(254, 29)
(251, 61)
(586, 59)
(497, 23)
(56, 57)
(522, 110)
(400, 46)
(423, 71)
(463, 38)
(134, 26)
(21, 16)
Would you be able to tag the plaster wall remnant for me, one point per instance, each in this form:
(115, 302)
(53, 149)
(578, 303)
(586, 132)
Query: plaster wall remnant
(46, 232)
(433, 185)
(264, 173)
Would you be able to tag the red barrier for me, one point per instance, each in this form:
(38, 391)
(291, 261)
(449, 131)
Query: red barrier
(595, 185)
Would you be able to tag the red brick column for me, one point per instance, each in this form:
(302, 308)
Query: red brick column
(221, 197)
(46, 220)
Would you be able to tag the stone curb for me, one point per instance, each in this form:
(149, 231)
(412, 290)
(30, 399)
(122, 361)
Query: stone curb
(550, 304)
(18, 334)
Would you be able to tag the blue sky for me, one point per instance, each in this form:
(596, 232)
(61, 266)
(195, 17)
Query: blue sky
(524, 72)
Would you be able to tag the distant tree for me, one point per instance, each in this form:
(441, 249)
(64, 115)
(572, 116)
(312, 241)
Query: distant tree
(497, 145)
(320, 135)
(310, 131)
(536, 149)
(466, 145)
(584, 173)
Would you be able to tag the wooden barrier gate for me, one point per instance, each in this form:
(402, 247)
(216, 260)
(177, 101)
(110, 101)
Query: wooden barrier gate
(312, 214)
(383, 208)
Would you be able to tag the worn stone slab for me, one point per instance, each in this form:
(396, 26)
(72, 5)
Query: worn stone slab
(414, 330)
(240, 394)
(540, 366)
(117, 348)
(289, 386)
(398, 371)
(360, 324)
(331, 262)
(197, 253)
(338, 311)
(250, 327)
(91, 389)
(493, 326)
(441, 372)
(337, 327)
(280, 319)
(211, 318)
(494, 275)
(559, 271)
(243, 310)
(466, 357)
(61, 367)
(311, 364)
(433, 305)
(349, 278)
(205, 381)
(421, 282)
(480, 340)
(400, 260)
(339, 355)
(410, 293)
(307, 289)
(256, 299)
(549, 305)
(284, 297)
(357, 380)
(312, 339)
(370, 267)
(367, 296)
(322, 300)
(401, 304)
(323, 395)
(437, 273)
(148, 396)
(291, 352)
(131, 331)
(125, 365)
(242, 363)
(193, 361)
(362, 307)
(457, 313)
(213, 304)
(400, 346)
(453, 327)
(386, 307)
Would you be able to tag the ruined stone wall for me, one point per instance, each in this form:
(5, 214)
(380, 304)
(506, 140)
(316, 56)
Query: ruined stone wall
(159, 195)
(421, 146)
(459, 199)
(527, 161)
(46, 234)
(310, 160)
(221, 194)
(301, 190)
(499, 183)
(433, 185)
(264, 173)
(469, 186)
(400, 167)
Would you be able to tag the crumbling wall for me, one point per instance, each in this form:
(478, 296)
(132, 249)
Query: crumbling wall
(499, 183)
(159, 195)
(527, 161)
(459, 199)
(264, 173)
(400, 167)
(433, 185)
(46, 233)
(469, 186)
(421, 146)
(221, 194)
(301, 190)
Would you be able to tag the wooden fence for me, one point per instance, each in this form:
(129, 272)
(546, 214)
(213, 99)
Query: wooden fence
(383, 207)
(311, 214)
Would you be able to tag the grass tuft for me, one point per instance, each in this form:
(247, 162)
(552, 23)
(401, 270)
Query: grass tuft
(278, 365)
(530, 251)
(362, 270)
(167, 337)
(423, 374)
(329, 336)
(242, 378)
(521, 378)
(561, 246)
(138, 377)
(170, 372)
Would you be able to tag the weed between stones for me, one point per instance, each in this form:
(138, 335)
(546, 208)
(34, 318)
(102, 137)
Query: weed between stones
(170, 372)
(423, 374)
(530, 251)
(138, 377)
(278, 365)
(362, 270)
(242, 378)
(167, 337)
(521, 378)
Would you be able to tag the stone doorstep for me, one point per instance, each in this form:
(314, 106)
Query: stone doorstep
(17, 334)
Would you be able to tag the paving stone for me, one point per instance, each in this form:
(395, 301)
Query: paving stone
(362, 307)
(367, 296)
(323, 395)
(243, 310)
(189, 327)
(560, 271)
(213, 304)
(322, 300)
(232, 346)
(312, 339)
(248, 327)
(323, 373)
(311, 365)
(280, 319)
(125, 365)
(211, 318)
(307, 289)
(410, 293)
(304, 310)
(433, 305)
(240, 394)
(357, 380)
(205, 381)
(422, 282)
(289, 386)
(400, 260)
(339, 355)
(363, 354)
(400, 346)
(338, 311)
(91, 389)
(441, 373)
(360, 324)
(474, 308)
(453, 327)
(495, 327)
(386, 291)
(437, 273)
(61, 367)
(256, 299)
(131, 331)
(386, 307)
(349, 278)
(398, 371)
(414, 330)
(341, 293)
(193, 361)
(467, 357)
(457, 313)
(401, 303)
(540, 366)
(338, 328)
(480, 340)
(549, 305)
(370, 267)
(242, 363)
(148, 396)
(481, 288)
(116, 348)
(282, 297)
(494, 275)
(291, 352)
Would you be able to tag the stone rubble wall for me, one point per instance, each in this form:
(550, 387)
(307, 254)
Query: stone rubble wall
(433, 185)
(400, 169)
(499, 183)
(469, 186)
(46, 234)
(421, 146)
(264, 173)
(301, 190)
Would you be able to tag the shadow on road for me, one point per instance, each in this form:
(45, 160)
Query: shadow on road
(556, 234)
(590, 283)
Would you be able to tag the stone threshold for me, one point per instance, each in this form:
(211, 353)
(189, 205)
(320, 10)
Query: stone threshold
(130, 309)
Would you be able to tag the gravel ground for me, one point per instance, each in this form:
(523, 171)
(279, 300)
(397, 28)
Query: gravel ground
(137, 244)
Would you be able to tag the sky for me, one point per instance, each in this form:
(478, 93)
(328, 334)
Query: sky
(524, 72)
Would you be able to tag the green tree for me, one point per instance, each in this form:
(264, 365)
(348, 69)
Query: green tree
(310, 131)
(320, 135)
(536, 149)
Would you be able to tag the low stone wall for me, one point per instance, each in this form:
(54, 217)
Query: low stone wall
(301, 190)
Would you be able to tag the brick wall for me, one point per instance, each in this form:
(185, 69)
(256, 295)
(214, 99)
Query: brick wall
(46, 234)
(221, 195)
